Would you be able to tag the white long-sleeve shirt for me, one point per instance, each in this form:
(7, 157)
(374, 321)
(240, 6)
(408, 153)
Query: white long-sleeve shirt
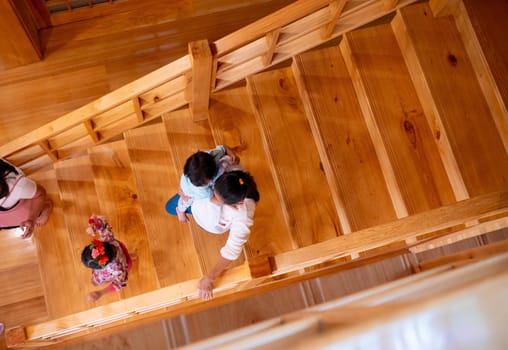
(218, 219)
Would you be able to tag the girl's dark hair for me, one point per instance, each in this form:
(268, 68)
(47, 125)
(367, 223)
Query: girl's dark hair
(235, 186)
(200, 168)
(5, 169)
(88, 261)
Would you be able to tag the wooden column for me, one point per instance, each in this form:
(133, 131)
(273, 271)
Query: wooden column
(201, 61)
(19, 38)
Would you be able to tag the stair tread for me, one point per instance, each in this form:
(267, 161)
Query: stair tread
(459, 100)
(294, 157)
(343, 138)
(185, 138)
(155, 176)
(233, 123)
(399, 117)
(117, 195)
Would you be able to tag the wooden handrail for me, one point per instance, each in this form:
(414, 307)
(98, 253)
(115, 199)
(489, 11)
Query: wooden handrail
(258, 46)
(400, 230)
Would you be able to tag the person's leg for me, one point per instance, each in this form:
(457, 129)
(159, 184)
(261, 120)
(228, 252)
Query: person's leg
(42, 219)
(171, 205)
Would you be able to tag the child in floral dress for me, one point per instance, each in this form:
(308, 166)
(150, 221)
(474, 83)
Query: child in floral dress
(107, 257)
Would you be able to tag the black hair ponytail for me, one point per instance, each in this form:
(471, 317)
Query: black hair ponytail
(5, 169)
(235, 186)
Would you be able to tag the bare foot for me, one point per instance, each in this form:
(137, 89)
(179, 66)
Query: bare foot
(44, 215)
(182, 216)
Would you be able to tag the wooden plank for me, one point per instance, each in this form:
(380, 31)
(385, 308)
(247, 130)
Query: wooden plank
(336, 8)
(463, 109)
(374, 132)
(59, 258)
(347, 153)
(400, 119)
(185, 138)
(21, 284)
(244, 312)
(271, 43)
(51, 96)
(469, 256)
(430, 109)
(201, 61)
(294, 158)
(75, 180)
(233, 123)
(156, 178)
(481, 28)
(414, 225)
(118, 198)
(465, 233)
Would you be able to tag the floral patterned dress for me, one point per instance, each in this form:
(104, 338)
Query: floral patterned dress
(116, 271)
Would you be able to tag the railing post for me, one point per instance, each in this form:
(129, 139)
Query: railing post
(201, 61)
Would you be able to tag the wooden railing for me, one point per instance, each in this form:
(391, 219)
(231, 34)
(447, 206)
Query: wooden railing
(165, 302)
(273, 39)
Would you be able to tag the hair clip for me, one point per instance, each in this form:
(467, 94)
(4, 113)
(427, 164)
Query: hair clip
(240, 180)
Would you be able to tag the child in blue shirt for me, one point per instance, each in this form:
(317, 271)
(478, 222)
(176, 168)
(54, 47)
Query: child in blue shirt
(199, 174)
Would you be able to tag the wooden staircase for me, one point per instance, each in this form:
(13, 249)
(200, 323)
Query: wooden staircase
(389, 138)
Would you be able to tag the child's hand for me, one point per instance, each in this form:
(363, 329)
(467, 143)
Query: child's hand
(234, 158)
(28, 228)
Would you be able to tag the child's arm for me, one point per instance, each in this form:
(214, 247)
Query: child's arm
(97, 294)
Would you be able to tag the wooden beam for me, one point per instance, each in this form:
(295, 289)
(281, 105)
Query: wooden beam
(201, 61)
(271, 42)
(468, 232)
(444, 7)
(90, 129)
(137, 108)
(399, 230)
(44, 144)
(336, 8)
(467, 256)
(390, 4)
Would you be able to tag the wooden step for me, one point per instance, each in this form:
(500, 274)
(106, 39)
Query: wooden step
(347, 152)
(185, 138)
(456, 95)
(294, 158)
(22, 289)
(59, 257)
(384, 87)
(233, 123)
(118, 201)
(482, 29)
(156, 179)
(79, 200)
